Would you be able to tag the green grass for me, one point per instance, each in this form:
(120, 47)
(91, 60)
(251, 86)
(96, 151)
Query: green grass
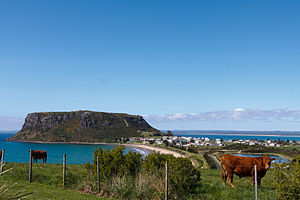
(197, 158)
(212, 187)
(41, 191)
(47, 181)
(149, 134)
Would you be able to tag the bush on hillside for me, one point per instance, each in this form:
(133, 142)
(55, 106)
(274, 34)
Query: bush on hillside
(129, 176)
(287, 180)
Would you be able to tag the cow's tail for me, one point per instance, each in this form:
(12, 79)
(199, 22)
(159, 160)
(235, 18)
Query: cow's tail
(222, 166)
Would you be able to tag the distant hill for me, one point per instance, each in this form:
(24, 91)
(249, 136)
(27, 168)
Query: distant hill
(82, 126)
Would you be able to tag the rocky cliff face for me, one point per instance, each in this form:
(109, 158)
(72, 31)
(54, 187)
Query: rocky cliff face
(85, 126)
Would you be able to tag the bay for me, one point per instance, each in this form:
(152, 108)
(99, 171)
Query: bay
(76, 153)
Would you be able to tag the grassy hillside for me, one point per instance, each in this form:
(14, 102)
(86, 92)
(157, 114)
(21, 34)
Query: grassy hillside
(47, 179)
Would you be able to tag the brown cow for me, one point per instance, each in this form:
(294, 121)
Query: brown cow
(244, 167)
(39, 155)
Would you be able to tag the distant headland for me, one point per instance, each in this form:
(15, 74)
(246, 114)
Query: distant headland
(82, 126)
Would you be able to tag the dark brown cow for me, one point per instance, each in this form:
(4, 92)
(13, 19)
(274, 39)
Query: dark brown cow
(244, 167)
(39, 155)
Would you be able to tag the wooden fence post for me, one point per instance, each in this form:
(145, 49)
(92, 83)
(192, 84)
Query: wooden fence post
(255, 176)
(2, 161)
(98, 174)
(64, 169)
(166, 182)
(30, 166)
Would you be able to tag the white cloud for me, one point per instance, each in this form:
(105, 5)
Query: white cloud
(239, 114)
(239, 110)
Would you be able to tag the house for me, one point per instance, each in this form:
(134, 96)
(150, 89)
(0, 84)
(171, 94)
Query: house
(251, 143)
(159, 142)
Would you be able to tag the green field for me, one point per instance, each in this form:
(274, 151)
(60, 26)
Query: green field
(212, 187)
(47, 183)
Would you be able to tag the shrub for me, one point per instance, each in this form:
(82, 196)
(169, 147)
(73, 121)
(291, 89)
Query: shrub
(287, 180)
(209, 160)
(129, 176)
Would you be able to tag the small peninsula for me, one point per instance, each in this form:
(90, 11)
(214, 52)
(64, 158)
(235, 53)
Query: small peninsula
(82, 126)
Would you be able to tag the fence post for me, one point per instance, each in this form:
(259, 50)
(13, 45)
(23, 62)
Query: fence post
(255, 176)
(98, 174)
(166, 182)
(2, 161)
(64, 169)
(30, 166)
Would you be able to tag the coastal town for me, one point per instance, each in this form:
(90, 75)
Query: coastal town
(182, 141)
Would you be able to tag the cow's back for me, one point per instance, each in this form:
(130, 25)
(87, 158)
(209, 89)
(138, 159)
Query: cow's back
(241, 166)
(39, 154)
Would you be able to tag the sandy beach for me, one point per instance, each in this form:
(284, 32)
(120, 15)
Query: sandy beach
(157, 149)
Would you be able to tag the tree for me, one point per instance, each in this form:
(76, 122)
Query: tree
(169, 133)
(166, 143)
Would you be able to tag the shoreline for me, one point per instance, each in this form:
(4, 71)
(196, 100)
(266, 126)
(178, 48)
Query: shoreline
(157, 149)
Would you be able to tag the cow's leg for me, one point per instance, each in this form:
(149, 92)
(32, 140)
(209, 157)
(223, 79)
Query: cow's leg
(224, 177)
(253, 179)
(230, 177)
(258, 181)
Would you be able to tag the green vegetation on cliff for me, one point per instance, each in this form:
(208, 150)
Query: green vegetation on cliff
(82, 126)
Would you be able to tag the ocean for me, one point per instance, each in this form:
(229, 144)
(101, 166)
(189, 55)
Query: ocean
(75, 153)
(240, 137)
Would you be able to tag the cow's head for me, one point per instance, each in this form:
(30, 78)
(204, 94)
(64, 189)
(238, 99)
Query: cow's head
(267, 162)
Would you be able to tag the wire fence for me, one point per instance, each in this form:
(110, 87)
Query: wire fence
(62, 159)
(64, 169)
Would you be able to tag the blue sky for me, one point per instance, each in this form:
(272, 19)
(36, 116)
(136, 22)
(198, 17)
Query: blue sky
(153, 58)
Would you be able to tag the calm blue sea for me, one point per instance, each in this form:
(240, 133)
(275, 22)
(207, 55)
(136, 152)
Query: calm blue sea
(240, 137)
(76, 154)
